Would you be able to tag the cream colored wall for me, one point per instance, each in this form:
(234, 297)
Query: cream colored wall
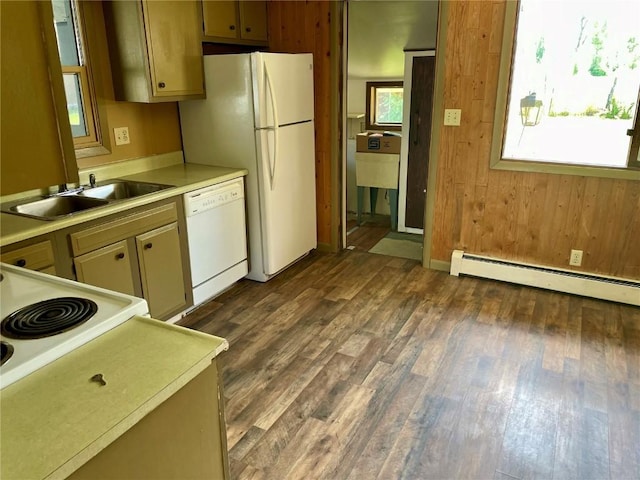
(153, 129)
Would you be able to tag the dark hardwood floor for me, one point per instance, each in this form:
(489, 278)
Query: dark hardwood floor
(364, 236)
(362, 366)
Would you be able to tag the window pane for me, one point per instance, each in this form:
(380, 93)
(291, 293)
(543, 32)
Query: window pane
(64, 22)
(74, 104)
(388, 105)
(574, 84)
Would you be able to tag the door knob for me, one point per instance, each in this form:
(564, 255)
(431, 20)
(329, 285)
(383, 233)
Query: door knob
(147, 246)
(120, 256)
(161, 85)
(21, 263)
(232, 27)
(248, 29)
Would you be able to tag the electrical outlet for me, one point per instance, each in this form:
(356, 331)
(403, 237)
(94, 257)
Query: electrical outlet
(452, 116)
(576, 258)
(122, 135)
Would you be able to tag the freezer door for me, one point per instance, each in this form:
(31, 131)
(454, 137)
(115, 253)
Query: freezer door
(283, 88)
(287, 194)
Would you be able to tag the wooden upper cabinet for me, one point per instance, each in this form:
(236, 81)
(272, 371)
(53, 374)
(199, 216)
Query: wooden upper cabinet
(253, 21)
(240, 22)
(220, 19)
(155, 50)
(36, 145)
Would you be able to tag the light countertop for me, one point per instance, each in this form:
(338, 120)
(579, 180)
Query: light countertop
(55, 420)
(185, 178)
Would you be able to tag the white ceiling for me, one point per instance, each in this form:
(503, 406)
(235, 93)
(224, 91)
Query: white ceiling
(380, 30)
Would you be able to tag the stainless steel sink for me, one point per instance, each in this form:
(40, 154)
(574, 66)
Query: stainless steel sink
(53, 208)
(121, 190)
(81, 199)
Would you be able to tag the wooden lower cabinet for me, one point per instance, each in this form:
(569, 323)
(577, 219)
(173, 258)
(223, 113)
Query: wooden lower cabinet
(38, 256)
(141, 254)
(108, 267)
(161, 270)
(184, 437)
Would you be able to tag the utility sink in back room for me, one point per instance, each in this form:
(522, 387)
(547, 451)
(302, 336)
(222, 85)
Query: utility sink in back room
(121, 190)
(52, 208)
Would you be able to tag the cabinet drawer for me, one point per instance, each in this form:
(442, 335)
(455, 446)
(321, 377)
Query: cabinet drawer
(34, 257)
(111, 232)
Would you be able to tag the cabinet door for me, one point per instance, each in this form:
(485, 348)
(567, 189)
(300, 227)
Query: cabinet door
(220, 19)
(161, 271)
(175, 50)
(36, 143)
(108, 267)
(253, 20)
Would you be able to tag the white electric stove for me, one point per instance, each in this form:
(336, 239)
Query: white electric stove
(43, 317)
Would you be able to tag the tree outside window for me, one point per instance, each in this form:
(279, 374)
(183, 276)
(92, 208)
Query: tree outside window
(574, 85)
(384, 106)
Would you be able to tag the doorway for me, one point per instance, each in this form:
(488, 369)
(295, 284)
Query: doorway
(382, 39)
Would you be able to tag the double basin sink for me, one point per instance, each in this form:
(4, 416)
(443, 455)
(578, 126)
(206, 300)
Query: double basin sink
(80, 200)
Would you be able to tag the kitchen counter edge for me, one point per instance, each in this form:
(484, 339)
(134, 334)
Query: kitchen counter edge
(94, 438)
(185, 177)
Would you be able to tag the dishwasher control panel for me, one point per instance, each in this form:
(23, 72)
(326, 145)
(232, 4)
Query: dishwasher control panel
(211, 197)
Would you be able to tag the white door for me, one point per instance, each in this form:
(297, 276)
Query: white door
(284, 86)
(288, 194)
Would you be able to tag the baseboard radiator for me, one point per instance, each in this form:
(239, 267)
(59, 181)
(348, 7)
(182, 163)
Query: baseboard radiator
(589, 285)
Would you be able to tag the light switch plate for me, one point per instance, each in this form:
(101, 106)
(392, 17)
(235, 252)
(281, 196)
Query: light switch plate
(452, 117)
(122, 135)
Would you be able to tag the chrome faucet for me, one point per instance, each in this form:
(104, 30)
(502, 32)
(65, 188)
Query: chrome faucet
(92, 180)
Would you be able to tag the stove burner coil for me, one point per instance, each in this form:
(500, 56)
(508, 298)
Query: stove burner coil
(47, 318)
(6, 350)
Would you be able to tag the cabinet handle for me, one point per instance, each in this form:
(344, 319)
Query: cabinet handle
(232, 27)
(147, 246)
(119, 256)
(248, 29)
(21, 262)
(161, 85)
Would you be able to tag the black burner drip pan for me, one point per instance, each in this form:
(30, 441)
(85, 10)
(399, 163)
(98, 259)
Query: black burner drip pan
(6, 350)
(47, 318)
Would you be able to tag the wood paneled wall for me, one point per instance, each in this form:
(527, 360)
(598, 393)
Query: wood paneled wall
(530, 217)
(305, 27)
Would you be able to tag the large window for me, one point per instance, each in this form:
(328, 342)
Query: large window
(384, 106)
(569, 87)
(81, 103)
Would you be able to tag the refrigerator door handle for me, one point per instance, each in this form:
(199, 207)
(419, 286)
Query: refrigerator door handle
(274, 109)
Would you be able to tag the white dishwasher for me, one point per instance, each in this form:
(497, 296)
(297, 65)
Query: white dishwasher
(217, 237)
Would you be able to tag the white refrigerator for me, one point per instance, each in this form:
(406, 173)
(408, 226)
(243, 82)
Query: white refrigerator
(258, 115)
